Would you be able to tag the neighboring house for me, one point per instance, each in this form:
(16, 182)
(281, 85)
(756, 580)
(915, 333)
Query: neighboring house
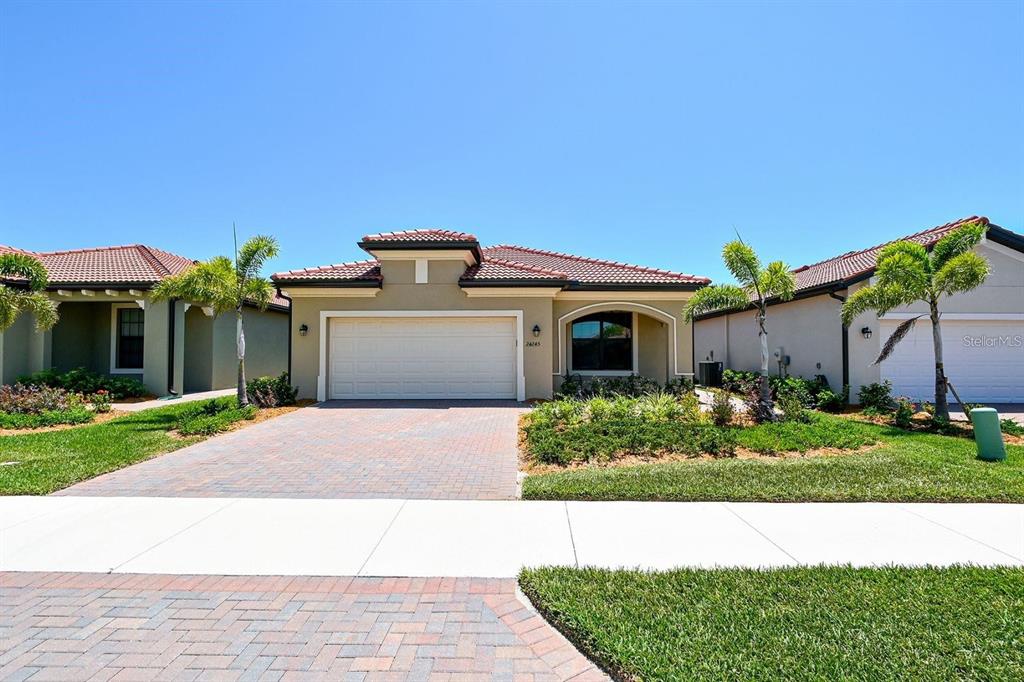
(108, 325)
(435, 315)
(983, 330)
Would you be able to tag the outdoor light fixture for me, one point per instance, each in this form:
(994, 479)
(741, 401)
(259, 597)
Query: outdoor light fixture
(866, 332)
(536, 330)
(303, 330)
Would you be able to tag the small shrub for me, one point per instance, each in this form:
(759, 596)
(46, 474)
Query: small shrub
(792, 406)
(680, 386)
(271, 391)
(904, 413)
(928, 407)
(100, 401)
(1011, 427)
(876, 396)
(740, 381)
(722, 410)
(943, 426)
(829, 401)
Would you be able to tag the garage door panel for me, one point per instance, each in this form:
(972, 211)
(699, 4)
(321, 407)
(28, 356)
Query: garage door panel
(422, 358)
(984, 360)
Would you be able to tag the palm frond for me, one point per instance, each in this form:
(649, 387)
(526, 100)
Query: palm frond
(911, 250)
(961, 240)
(26, 267)
(890, 345)
(960, 273)
(258, 292)
(859, 302)
(14, 302)
(742, 262)
(210, 283)
(902, 270)
(713, 298)
(254, 254)
(777, 280)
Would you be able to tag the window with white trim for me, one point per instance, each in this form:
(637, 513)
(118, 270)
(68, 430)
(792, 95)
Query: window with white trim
(603, 342)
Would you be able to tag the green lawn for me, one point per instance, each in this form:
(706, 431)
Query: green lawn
(905, 466)
(52, 460)
(792, 624)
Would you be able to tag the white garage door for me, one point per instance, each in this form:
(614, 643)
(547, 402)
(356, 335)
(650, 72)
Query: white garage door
(984, 360)
(425, 357)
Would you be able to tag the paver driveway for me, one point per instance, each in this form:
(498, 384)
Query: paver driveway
(90, 626)
(393, 449)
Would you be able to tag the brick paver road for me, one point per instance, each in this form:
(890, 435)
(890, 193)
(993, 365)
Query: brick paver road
(420, 449)
(88, 626)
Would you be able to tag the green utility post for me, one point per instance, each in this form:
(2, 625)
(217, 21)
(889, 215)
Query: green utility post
(987, 434)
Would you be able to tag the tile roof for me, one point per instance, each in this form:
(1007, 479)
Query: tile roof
(499, 269)
(582, 270)
(133, 263)
(855, 263)
(505, 264)
(358, 271)
(429, 235)
(129, 264)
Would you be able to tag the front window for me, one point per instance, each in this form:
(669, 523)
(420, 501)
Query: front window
(603, 342)
(130, 326)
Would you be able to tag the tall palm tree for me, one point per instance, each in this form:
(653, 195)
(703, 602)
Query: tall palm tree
(224, 286)
(757, 285)
(22, 281)
(907, 273)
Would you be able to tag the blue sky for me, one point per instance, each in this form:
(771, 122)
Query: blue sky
(640, 133)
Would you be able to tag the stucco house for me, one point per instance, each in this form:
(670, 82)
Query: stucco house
(108, 325)
(983, 330)
(433, 314)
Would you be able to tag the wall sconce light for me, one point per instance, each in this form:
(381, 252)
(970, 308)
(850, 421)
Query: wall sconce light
(866, 332)
(536, 330)
(303, 330)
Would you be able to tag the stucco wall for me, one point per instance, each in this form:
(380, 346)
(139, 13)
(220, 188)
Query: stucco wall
(198, 351)
(809, 329)
(81, 337)
(652, 348)
(14, 349)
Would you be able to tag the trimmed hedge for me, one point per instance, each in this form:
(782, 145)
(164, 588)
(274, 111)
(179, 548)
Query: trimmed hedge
(74, 415)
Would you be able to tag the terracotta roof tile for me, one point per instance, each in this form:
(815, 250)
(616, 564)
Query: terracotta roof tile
(498, 269)
(589, 270)
(365, 270)
(430, 235)
(853, 263)
(134, 263)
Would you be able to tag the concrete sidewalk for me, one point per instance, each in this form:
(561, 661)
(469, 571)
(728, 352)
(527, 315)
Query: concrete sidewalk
(486, 538)
(187, 398)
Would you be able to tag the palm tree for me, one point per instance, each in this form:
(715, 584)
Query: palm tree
(757, 285)
(908, 273)
(224, 286)
(22, 281)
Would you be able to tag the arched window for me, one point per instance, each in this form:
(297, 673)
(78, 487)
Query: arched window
(603, 342)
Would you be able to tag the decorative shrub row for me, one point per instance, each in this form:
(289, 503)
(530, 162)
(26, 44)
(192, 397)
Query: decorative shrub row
(212, 416)
(630, 386)
(567, 431)
(84, 381)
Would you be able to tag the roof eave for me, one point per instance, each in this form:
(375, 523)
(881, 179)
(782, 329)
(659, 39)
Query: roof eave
(323, 282)
(512, 282)
(634, 286)
(420, 244)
